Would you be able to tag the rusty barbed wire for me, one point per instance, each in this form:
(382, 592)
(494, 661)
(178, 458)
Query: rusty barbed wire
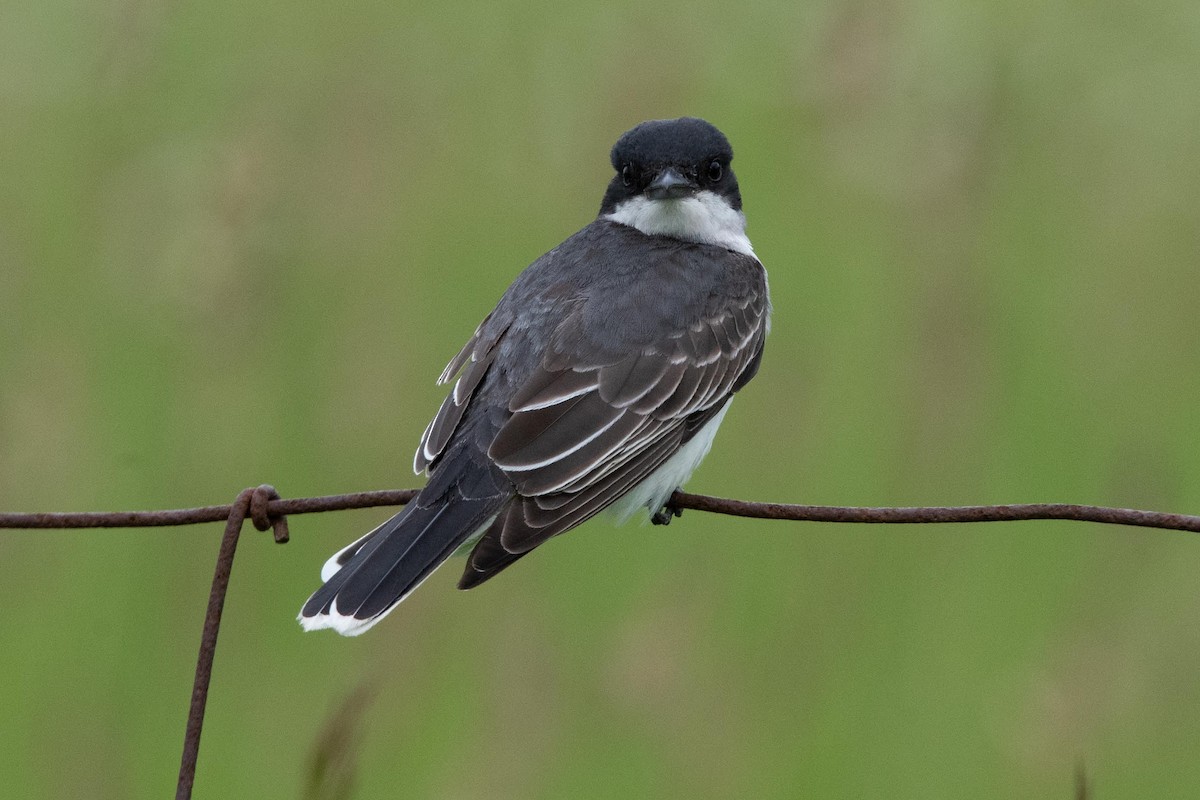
(272, 508)
(898, 515)
(267, 511)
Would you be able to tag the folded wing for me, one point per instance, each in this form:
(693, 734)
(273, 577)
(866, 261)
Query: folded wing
(581, 436)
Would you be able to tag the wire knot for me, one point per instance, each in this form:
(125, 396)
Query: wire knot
(260, 514)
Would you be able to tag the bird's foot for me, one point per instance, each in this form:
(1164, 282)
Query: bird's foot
(665, 514)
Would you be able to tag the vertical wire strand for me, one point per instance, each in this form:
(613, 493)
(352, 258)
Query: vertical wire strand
(208, 645)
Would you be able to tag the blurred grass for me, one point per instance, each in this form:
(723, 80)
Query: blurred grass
(238, 241)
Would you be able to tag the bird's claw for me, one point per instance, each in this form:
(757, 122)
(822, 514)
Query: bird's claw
(665, 514)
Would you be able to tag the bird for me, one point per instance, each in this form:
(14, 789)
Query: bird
(596, 383)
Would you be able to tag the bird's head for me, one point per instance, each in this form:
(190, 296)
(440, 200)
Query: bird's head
(673, 178)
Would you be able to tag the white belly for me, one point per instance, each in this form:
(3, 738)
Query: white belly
(651, 493)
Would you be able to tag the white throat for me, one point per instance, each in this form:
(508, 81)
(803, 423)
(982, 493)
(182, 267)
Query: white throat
(705, 218)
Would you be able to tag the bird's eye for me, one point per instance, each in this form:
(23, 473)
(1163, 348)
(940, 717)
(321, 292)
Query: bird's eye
(715, 171)
(627, 175)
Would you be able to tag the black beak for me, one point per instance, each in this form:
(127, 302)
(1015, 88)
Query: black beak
(670, 184)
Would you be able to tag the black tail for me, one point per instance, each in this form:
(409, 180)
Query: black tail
(375, 573)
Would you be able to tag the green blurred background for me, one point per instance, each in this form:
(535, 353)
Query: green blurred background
(238, 240)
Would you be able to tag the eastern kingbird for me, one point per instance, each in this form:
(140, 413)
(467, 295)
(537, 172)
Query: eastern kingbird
(597, 382)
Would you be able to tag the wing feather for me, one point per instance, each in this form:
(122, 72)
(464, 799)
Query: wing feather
(705, 347)
(664, 388)
(607, 407)
(547, 388)
(468, 349)
(580, 460)
(534, 525)
(542, 436)
(712, 378)
(685, 390)
(628, 381)
(474, 360)
(579, 440)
